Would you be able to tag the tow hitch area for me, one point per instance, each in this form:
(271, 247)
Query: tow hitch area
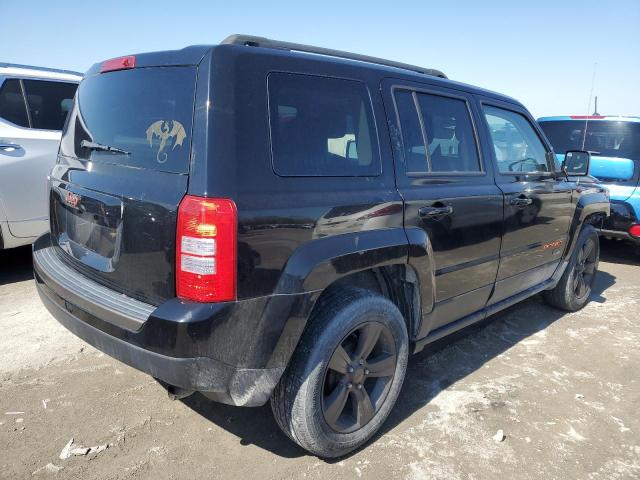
(176, 393)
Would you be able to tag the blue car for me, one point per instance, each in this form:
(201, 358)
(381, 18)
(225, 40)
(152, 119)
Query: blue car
(614, 143)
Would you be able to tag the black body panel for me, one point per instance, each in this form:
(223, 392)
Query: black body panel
(139, 260)
(297, 236)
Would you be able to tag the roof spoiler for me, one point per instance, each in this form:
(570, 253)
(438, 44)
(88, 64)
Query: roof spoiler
(252, 41)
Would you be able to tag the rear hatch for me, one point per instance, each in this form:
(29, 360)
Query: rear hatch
(122, 170)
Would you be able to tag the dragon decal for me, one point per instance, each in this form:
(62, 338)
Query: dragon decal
(165, 130)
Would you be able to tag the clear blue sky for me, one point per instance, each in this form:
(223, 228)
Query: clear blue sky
(540, 52)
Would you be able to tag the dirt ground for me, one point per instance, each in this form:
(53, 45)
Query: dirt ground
(564, 388)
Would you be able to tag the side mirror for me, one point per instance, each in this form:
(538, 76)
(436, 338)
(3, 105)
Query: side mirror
(576, 163)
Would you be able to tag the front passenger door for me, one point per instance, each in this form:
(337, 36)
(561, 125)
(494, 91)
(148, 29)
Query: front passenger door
(537, 200)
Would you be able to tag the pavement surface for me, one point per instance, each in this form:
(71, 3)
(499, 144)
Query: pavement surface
(563, 388)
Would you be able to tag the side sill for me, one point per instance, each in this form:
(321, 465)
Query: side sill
(452, 327)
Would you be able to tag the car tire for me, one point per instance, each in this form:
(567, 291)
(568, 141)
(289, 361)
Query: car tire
(574, 288)
(329, 403)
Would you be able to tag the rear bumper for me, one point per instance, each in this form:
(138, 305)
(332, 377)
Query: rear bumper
(235, 352)
(617, 225)
(619, 234)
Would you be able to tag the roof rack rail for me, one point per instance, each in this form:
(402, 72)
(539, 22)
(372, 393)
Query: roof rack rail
(252, 41)
(42, 69)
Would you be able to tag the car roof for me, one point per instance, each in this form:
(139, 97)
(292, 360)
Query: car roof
(410, 72)
(193, 55)
(16, 70)
(576, 118)
(388, 70)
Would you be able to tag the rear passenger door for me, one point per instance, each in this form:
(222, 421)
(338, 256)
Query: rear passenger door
(448, 192)
(537, 200)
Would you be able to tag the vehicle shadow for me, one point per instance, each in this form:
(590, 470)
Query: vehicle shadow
(431, 371)
(621, 252)
(15, 265)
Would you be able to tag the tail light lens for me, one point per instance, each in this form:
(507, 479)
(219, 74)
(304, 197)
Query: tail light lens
(206, 249)
(634, 231)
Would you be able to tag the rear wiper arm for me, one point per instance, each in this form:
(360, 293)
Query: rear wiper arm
(102, 148)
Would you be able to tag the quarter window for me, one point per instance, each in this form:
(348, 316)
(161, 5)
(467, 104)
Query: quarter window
(12, 106)
(447, 141)
(412, 140)
(321, 127)
(517, 147)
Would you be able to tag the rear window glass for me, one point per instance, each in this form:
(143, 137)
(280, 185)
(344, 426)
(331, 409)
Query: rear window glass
(147, 112)
(601, 138)
(49, 102)
(321, 127)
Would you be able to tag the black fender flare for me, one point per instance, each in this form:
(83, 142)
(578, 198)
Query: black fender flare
(593, 200)
(318, 264)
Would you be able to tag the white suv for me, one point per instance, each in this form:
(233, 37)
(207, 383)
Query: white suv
(34, 103)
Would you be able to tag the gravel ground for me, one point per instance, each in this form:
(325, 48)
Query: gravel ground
(564, 388)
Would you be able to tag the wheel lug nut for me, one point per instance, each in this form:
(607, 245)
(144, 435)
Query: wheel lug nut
(349, 385)
(366, 371)
(362, 361)
(350, 370)
(359, 386)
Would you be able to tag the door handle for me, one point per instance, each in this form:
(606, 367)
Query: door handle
(435, 212)
(520, 202)
(9, 147)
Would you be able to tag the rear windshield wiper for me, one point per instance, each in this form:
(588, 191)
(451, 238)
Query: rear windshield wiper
(102, 148)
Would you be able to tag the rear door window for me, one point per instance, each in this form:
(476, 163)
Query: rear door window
(451, 140)
(147, 112)
(12, 106)
(321, 126)
(49, 102)
(437, 133)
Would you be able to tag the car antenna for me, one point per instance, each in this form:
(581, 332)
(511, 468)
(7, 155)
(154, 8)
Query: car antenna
(586, 120)
(595, 109)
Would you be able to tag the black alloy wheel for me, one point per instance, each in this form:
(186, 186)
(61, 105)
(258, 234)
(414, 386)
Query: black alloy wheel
(585, 270)
(358, 377)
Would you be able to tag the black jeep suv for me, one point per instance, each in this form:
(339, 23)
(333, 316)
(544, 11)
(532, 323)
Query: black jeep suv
(264, 220)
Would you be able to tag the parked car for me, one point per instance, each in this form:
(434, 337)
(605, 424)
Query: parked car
(34, 103)
(614, 143)
(207, 229)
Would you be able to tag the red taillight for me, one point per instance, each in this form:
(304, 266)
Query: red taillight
(120, 63)
(634, 231)
(206, 249)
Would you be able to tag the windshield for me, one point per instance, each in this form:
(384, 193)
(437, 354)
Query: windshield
(143, 115)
